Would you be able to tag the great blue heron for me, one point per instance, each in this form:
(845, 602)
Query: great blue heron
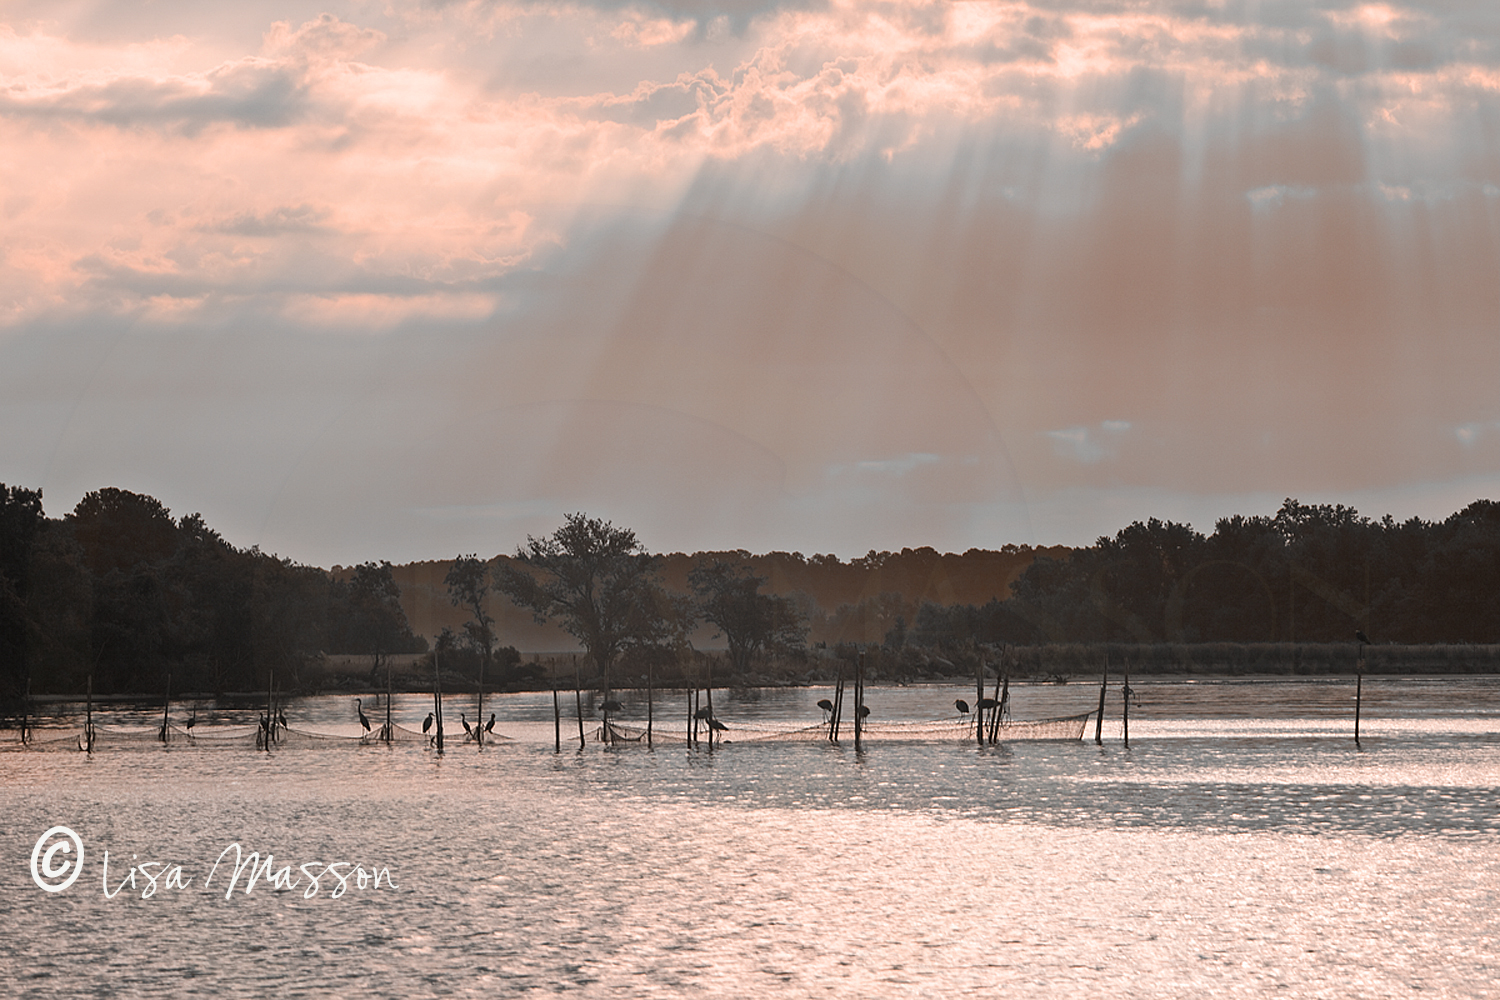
(281, 718)
(864, 711)
(191, 722)
(827, 707)
(961, 705)
(427, 723)
(360, 708)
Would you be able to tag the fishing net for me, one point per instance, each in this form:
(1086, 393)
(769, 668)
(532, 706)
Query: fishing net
(242, 737)
(921, 731)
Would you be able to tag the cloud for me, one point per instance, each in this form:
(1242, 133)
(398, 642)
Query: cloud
(1087, 445)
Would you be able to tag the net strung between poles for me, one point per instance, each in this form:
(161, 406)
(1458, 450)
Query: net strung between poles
(920, 731)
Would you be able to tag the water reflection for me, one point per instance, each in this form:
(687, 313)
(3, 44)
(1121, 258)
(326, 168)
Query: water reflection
(1277, 857)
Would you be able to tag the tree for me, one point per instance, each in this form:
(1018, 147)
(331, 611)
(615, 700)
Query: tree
(468, 585)
(751, 622)
(598, 581)
(21, 522)
(377, 625)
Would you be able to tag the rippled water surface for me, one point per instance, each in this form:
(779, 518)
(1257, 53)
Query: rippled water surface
(1242, 845)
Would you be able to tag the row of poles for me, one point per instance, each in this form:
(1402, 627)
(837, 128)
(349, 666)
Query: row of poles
(989, 713)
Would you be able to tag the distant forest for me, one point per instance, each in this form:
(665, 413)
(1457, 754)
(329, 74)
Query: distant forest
(120, 590)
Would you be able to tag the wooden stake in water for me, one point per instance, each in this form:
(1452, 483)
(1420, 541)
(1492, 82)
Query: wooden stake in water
(979, 702)
(26, 712)
(708, 698)
(994, 729)
(479, 719)
(556, 714)
(1099, 719)
(650, 699)
(1359, 685)
(270, 709)
(859, 700)
(388, 730)
(1125, 715)
(578, 699)
(437, 698)
(165, 705)
(88, 718)
(838, 706)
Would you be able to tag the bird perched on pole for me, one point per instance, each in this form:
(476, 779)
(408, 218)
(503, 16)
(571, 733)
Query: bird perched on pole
(1360, 635)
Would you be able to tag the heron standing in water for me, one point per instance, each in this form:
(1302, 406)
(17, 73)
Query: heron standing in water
(360, 708)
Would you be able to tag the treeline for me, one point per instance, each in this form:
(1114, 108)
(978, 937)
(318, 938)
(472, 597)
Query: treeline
(858, 600)
(120, 589)
(1310, 573)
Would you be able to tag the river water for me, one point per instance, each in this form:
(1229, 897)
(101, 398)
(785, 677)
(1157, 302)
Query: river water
(1241, 845)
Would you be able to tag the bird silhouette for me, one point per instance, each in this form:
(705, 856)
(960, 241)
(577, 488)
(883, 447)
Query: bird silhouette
(716, 725)
(827, 707)
(1359, 634)
(360, 708)
(489, 727)
(192, 721)
(427, 723)
(864, 711)
(703, 713)
(961, 705)
(281, 718)
(467, 728)
(985, 704)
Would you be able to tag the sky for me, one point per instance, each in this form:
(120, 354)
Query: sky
(400, 279)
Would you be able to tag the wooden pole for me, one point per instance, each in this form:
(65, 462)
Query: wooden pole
(1359, 685)
(26, 712)
(650, 699)
(578, 698)
(479, 722)
(437, 698)
(556, 714)
(88, 717)
(690, 695)
(165, 705)
(1099, 719)
(979, 701)
(269, 707)
(994, 731)
(697, 702)
(388, 731)
(708, 697)
(1001, 707)
(1125, 715)
(838, 706)
(859, 700)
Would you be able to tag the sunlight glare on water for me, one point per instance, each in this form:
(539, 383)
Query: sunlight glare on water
(1266, 861)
